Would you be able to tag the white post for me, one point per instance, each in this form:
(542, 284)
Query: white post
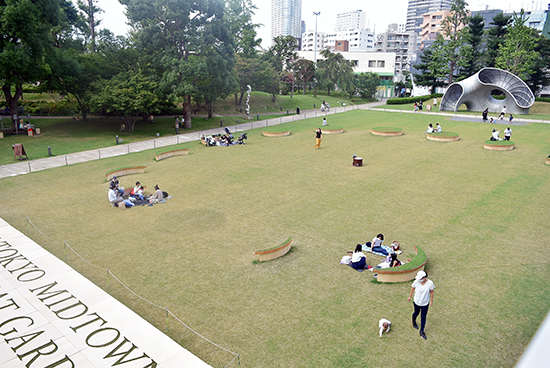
(315, 38)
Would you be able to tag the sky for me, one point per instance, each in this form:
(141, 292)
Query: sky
(379, 14)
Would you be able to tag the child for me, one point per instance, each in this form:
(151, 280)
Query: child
(384, 324)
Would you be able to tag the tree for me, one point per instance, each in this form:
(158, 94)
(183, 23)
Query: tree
(90, 10)
(25, 30)
(282, 53)
(239, 18)
(431, 66)
(496, 36)
(517, 54)
(259, 74)
(473, 50)
(454, 32)
(177, 36)
(334, 70)
(365, 84)
(304, 71)
(127, 95)
(539, 74)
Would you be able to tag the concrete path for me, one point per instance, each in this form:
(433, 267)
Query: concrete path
(28, 166)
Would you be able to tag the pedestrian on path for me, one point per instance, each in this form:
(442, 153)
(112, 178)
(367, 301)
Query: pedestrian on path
(502, 113)
(318, 135)
(423, 290)
(177, 125)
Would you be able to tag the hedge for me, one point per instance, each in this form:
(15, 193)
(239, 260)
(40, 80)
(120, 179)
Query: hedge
(407, 100)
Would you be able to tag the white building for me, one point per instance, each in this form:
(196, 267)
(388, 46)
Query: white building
(359, 39)
(351, 20)
(381, 63)
(308, 43)
(286, 18)
(403, 44)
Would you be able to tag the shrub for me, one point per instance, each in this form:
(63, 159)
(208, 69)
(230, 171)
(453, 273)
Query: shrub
(407, 100)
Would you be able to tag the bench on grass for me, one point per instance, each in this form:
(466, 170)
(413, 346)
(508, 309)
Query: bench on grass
(265, 133)
(167, 154)
(387, 131)
(125, 171)
(498, 145)
(405, 272)
(547, 160)
(332, 130)
(443, 136)
(275, 252)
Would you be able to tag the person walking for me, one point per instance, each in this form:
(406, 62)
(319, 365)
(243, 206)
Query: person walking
(177, 124)
(423, 290)
(502, 113)
(484, 114)
(318, 135)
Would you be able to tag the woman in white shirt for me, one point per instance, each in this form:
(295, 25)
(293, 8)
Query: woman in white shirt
(358, 258)
(423, 290)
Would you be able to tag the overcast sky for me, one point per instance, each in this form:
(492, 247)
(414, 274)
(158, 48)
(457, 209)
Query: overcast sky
(379, 14)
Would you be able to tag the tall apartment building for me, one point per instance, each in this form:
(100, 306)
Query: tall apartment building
(418, 7)
(286, 18)
(308, 41)
(431, 25)
(350, 20)
(403, 44)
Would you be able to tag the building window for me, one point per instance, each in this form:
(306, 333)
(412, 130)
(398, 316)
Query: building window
(381, 64)
(372, 63)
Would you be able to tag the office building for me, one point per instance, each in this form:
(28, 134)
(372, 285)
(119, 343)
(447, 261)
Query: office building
(417, 8)
(402, 44)
(286, 18)
(350, 20)
(358, 39)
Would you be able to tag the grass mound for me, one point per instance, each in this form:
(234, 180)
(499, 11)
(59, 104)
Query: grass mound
(499, 143)
(387, 129)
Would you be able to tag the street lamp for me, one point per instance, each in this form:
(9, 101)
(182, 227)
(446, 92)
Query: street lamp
(315, 38)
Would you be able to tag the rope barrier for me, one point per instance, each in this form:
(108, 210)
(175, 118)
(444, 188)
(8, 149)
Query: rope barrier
(109, 273)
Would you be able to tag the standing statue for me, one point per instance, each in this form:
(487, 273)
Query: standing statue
(248, 100)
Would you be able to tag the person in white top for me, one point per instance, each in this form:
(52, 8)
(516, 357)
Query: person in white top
(495, 134)
(358, 258)
(384, 324)
(507, 134)
(423, 290)
(502, 113)
(430, 129)
(438, 128)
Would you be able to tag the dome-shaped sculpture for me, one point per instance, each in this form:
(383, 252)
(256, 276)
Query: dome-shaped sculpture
(475, 93)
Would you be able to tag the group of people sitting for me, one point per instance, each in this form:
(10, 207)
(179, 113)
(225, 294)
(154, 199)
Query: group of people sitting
(431, 128)
(358, 260)
(495, 134)
(119, 198)
(417, 106)
(325, 106)
(223, 140)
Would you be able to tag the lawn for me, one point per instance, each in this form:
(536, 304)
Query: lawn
(479, 215)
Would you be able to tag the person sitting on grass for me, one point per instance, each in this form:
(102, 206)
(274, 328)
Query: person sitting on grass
(115, 182)
(114, 196)
(430, 129)
(495, 135)
(438, 128)
(384, 324)
(394, 262)
(377, 245)
(158, 197)
(358, 258)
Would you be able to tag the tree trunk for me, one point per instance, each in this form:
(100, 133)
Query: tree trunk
(187, 112)
(12, 103)
(328, 91)
(241, 99)
(210, 109)
(273, 97)
(304, 90)
(236, 100)
(292, 89)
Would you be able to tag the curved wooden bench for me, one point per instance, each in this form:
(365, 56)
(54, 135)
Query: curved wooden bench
(387, 131)
(332, 130)
(498, 145)
(547, 160)
(404, 272)
(126, 171)
(167, 154)
(275, 252)
(443, 137)
(275, 134)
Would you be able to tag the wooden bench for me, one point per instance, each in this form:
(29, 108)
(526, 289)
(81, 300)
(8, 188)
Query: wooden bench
(334, 130)
(498, 145)
(387, 131)
(443, 136)
(274, 252)
(275, 134)
(547, 160)
(405, 272)
(167, 154)
(125, 171)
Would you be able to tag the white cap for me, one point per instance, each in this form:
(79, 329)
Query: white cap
(420, 275)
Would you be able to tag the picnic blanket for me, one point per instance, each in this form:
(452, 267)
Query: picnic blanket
(385, 247)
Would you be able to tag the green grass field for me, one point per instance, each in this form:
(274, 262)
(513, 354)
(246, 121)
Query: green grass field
(480, 216)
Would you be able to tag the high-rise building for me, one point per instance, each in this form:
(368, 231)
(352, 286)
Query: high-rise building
(418, 7)
(402, 44)
(350, 20)
(286, 18)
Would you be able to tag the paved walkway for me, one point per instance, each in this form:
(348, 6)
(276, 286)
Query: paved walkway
(27, 166)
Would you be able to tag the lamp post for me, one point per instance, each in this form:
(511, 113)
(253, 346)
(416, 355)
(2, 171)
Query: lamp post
(315, 38)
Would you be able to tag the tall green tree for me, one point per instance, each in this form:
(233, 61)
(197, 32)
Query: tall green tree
(365, 84)
(517, 54)
(454, 32)
(304, 71)
(496, 36)
(178, 36)
(334, 70)
(431, 66)
(259, 74)
(90, 11)
(25, 38)
(539, 76)
(282, 53)
(238, 14)
(473, 49)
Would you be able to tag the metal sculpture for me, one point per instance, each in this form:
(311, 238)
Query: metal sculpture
(475, 93)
